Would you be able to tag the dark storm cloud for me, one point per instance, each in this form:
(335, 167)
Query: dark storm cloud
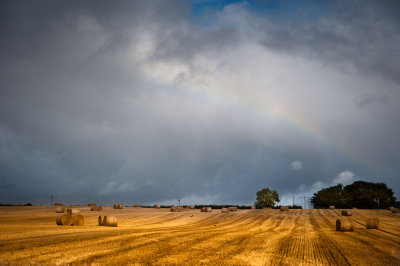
(364, 34)
(86, 113)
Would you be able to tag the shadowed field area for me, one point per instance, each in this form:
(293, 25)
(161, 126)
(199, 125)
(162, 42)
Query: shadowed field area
(157, 236)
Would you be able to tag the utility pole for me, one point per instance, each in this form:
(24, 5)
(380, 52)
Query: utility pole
(293, 201)
(305, 205)
(179, 201)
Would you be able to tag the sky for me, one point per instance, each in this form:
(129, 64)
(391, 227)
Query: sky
(207, 101)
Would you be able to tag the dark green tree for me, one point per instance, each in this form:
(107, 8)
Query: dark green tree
(367, 195)
(335, 196)
(266, 198)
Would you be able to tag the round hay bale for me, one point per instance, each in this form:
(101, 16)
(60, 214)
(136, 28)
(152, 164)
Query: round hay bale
(332, 207)
(176, 209)
(77, 220)
(110, 221)
(206, 209)
(157, 206)
(233, 209)
(118, 206)
(391, 208)
(91, 204)
(343, 225)
(372, 223)
(59, 209)
(137, 206)
(284, 209)
(191, 206)
(58, 204)
(72, 211)
(224, 210)
(346, 213)
(64, 219)
(96, 208)
(253, 207)
(101, 220)
(396, 211)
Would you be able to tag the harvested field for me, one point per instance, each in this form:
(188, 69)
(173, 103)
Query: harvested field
(158, 236)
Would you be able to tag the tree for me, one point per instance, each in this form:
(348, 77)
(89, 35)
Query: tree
(367, 195)
(266, 198)
(335, 195)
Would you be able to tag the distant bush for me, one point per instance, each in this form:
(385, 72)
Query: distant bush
(10, 204)
(290, 207)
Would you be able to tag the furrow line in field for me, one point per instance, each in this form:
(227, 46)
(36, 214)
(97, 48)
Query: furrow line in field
(109, 244)
(223, 247)
(387, 213)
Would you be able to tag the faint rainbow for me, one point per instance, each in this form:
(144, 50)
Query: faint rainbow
(279, 111)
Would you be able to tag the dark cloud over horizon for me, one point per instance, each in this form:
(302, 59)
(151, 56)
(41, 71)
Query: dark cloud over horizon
(142, 102)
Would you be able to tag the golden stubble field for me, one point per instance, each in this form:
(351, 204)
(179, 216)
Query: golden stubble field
(29, 235)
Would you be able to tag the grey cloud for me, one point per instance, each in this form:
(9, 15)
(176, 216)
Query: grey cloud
(367, 99)
(364, 34)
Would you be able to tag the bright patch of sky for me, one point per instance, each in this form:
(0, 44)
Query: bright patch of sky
(279, 11)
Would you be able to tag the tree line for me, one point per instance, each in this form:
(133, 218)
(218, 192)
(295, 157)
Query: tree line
(360, 194)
